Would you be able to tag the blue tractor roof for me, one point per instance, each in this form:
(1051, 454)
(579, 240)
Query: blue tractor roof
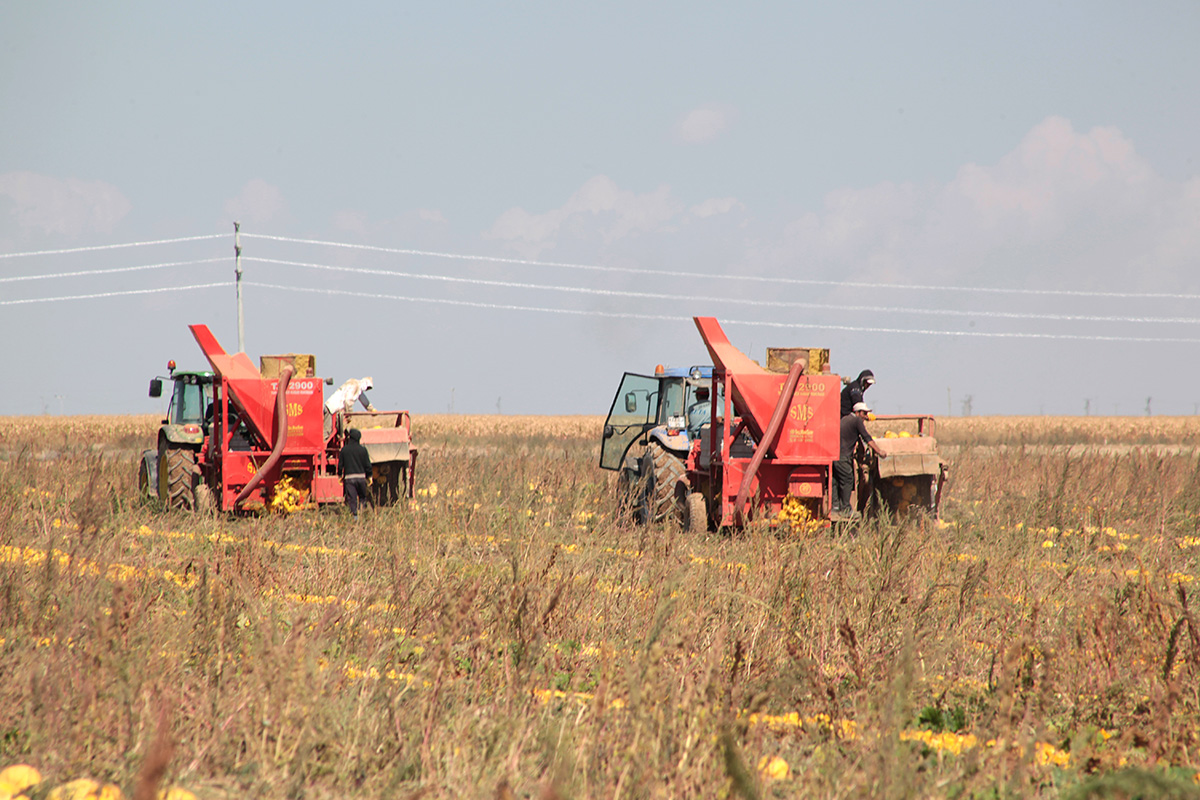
(706, 371)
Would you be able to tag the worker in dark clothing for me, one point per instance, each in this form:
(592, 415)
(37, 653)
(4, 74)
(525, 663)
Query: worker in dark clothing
(355, 465)
(853, 391)
(853, 431)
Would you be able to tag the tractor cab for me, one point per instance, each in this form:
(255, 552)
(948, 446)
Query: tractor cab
(656, 407)
(191, 397)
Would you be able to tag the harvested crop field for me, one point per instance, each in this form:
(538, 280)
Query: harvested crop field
(503, 636)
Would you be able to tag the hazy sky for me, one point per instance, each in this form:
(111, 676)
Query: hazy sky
(990, 205)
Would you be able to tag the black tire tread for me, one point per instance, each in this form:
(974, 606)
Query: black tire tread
(696, 514)
(181, 467)
(668, 470)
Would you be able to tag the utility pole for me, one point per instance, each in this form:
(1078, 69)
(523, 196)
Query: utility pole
(237, 270)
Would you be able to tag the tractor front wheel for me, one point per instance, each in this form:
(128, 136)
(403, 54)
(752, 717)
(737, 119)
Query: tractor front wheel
(629, 492)
(145, 481)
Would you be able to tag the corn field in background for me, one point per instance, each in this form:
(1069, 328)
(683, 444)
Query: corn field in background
(503, 635)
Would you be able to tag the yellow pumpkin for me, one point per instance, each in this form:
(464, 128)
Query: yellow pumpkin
(16, 779)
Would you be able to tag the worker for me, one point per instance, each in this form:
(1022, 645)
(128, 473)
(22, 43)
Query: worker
(354, 463)
(355, 389)
(853, 391)
(853, 431)
(699, 412)
(348, 393)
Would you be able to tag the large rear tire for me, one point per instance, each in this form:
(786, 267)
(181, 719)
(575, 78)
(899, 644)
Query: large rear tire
(663, 471)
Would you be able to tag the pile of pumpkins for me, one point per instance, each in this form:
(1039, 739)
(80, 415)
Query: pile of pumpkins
(23, 782)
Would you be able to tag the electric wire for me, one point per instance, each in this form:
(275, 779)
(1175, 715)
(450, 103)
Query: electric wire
(112, 270)
(676, 297)
(748, 278)
(114, 246)
(758, 323)
(122, 293)
(616, 292)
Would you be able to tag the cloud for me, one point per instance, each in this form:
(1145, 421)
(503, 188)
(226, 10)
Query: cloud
(256, 204)
(704, 124)
(599, 208)
(716, 205)
(38, 203)
(1064, 208)
(422, 222)
(350, 222)
(602, 212)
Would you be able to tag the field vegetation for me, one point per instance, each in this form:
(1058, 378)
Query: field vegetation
(503, 635)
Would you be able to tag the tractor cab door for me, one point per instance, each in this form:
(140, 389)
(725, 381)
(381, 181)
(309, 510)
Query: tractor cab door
(634, 411)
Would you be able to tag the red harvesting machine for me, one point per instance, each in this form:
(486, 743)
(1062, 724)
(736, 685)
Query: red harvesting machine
(236, 439)
(284, 416)
(716, 446)
(774, 436)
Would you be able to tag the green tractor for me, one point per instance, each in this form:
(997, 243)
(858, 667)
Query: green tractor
(170, 470)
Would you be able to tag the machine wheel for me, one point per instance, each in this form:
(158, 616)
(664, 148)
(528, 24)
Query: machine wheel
(176, 468)
(663, 471)
(205, 503)
(695, 513)
(691, 511)
(385, 482)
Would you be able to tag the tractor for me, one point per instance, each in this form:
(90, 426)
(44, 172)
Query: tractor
(766, 452)
(241, 438)
(647, 437)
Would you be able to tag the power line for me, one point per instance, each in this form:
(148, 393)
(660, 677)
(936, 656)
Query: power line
(114, 294)
(749, 278)
(759, 323)
(112, 246)
(674, 296)
(112, 270)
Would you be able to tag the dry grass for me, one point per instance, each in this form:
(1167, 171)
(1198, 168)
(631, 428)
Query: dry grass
(504, 637)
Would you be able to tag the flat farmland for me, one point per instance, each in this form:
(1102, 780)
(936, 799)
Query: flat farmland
(503, 635)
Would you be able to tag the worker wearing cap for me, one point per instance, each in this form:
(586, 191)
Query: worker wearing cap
(354, 463)
(853, 391)
(853, 431)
